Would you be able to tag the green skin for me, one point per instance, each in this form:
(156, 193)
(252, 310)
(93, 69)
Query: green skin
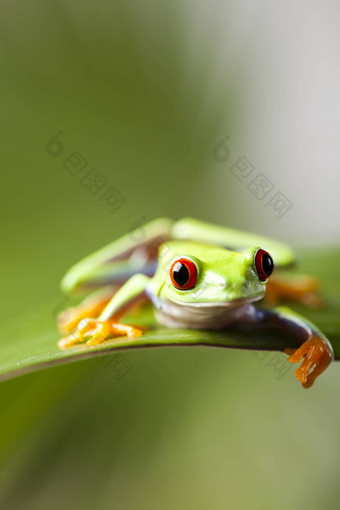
(227, 281)
(224, 276)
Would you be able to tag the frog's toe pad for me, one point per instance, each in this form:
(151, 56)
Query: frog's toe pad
(68, 341)
(107, 328)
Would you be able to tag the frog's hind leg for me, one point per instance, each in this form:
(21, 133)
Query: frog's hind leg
(194, 230)
(114, 264)
(299, 288)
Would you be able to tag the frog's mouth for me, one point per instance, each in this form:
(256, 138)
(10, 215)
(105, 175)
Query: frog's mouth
(205, 315)
(226, 305)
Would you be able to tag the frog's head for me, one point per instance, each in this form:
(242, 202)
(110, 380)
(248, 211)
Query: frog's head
(194, 273)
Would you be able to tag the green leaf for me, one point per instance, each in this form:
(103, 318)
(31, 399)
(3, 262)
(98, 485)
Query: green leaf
(26, 350)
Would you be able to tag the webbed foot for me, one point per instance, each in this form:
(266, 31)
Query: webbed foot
(96, 332)
(315, 355)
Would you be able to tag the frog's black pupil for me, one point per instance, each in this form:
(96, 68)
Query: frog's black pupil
(180, 274)
(267, 264)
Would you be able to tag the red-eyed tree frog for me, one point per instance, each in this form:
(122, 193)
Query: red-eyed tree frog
(197, 275)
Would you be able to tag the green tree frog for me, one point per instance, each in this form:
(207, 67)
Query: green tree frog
(197, 275)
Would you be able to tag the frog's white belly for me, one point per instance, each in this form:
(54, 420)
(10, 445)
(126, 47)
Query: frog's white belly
(202, 316)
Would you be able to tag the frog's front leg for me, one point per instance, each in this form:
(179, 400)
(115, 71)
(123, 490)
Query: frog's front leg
(315, 352)
(98, 330)
(299, 288)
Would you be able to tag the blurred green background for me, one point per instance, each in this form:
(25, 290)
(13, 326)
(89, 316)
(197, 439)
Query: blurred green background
(140, 92)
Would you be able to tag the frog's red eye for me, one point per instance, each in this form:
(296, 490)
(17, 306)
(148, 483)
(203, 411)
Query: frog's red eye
(183, 274)
(264, 264)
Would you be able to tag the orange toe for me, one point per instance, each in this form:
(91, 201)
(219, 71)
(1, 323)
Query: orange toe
(315, 356)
